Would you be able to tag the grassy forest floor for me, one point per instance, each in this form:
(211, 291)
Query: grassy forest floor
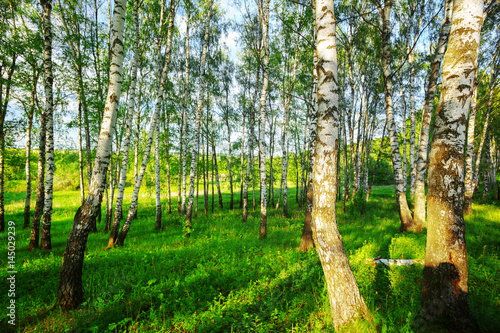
(224, 279)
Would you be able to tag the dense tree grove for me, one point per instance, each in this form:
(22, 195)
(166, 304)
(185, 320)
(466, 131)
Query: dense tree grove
(254, 98)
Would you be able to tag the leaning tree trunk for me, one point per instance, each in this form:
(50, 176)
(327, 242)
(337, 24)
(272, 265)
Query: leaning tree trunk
(346, 301)
(45, 242)
(40, 188)
(262, 127)
(117, 217)
(423, 139)
(70, 289)
(194, 157)
(404, 211)
(445, 290)
(152, 127)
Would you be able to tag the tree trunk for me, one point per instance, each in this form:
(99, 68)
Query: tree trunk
(167, 148)
(194, 157)
(262, 127)
(152, 127)
(487, 162)
(137, 136)
(404, 135)
(27, 203)
(70, 289)
(157, 178)
(242, 159)
(205, 175)
(183, 155)
(45, 242)
(423, 139)
(80, 153)
(445, 290)
(345, 300)
(404, 211)
(231, 199)
(40, 188)
(117, 217)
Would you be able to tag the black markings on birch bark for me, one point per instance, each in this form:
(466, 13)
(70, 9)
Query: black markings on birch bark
(345, 300)
(446, 271)
(46, 243)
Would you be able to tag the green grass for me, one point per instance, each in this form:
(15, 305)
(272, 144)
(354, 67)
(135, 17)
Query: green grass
(224, 279)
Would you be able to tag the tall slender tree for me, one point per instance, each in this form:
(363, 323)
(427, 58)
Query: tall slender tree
(346, 301)
(46, 243)
(262, 127)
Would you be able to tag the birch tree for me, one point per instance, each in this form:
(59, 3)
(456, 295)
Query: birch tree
(445, 289)
(262, 128)
(117, 217)
(70, 289)
(46, 243)
(183, 141)
(346, 301)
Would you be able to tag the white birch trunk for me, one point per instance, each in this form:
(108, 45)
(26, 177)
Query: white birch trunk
(157, 177)
(117, 216)
(469, 182)
(445, 289)
(345, 300)
(70, 289)
(45, 240)
(262, 127)
(183, 155)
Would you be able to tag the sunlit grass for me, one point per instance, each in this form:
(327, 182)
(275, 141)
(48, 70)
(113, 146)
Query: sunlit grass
(225, 279)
